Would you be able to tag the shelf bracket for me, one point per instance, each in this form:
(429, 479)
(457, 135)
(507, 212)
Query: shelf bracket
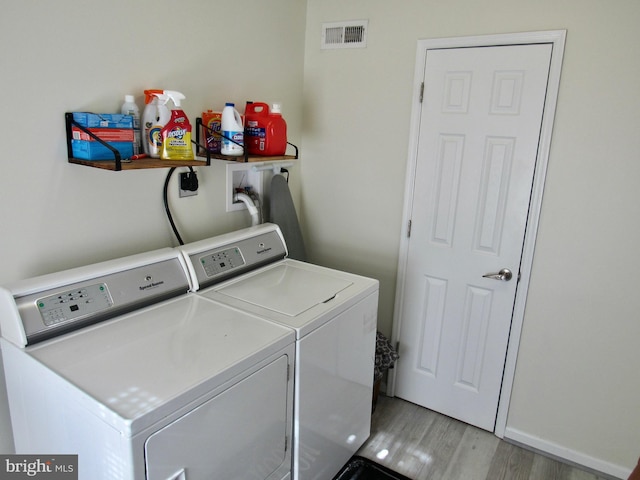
(276, 167)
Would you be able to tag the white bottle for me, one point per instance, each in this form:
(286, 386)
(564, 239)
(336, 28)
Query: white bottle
(129, 107)
(232, 129)
(155, 116)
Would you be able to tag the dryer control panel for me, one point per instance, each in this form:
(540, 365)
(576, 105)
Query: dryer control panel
(43, 307)
(74, 303)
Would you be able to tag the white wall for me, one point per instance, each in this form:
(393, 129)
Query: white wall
(577, 387)
(77, 55)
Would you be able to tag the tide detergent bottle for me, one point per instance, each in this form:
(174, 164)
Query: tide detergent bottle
(176, 134)
(277, 131)
(266, 132)
(155, 116)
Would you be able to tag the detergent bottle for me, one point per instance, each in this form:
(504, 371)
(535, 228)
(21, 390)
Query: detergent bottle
(255, 118)
(277, 132)
(211, 127)
(129, 107)
(155, 116)
(266, 132)
(176, 134)
(232, 131)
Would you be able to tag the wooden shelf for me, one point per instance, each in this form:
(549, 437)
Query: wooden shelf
(251, 158)
(122, 164)
(117, 163)
(141, 164)
(200, 127)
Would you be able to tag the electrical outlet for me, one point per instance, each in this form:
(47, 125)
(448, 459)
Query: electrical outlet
(184, 180)
(187, 193)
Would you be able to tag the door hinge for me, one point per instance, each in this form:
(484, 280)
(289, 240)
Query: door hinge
(398, 348)
(409, 229)
(288, 372)
(421, 91)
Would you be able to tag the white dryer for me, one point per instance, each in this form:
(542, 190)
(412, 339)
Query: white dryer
(119, 364)
(334, 315)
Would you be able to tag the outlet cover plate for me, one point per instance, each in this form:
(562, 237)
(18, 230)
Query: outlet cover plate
(185, 193)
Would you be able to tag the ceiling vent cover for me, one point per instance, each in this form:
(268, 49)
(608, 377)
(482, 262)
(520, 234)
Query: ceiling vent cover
(351, 34)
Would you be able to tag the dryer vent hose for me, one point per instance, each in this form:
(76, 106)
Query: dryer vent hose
(253, 210)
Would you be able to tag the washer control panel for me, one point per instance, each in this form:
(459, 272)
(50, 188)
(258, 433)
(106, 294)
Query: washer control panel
(74, 303)
(219, 258)
(222, 261)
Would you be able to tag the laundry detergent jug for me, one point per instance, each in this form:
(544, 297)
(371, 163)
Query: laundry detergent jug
(266, 131)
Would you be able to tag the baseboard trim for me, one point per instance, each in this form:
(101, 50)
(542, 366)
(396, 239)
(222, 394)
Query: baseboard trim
(566, 455)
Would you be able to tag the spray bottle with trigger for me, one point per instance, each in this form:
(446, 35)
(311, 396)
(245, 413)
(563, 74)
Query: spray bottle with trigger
(176, 134)
(155, 116)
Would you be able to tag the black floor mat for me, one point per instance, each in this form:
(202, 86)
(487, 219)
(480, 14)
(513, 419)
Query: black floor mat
(360, 468)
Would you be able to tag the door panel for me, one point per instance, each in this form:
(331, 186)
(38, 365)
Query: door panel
(241, 434)
(476, 153)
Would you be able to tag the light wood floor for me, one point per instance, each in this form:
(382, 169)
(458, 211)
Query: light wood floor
(422, 445)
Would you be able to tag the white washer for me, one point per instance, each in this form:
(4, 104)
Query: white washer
(119, 364)
(334, 315)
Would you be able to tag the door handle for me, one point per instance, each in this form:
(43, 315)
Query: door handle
(504, 274)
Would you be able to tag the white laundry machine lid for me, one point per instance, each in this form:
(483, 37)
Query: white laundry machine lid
(295, 294)
(286, 288)
(144, 365)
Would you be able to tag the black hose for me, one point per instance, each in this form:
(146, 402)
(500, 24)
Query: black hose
(166, 206)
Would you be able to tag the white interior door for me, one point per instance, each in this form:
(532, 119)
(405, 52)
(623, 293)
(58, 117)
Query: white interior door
(478, 139)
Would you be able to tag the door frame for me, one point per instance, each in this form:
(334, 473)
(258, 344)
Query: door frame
(557, 39)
